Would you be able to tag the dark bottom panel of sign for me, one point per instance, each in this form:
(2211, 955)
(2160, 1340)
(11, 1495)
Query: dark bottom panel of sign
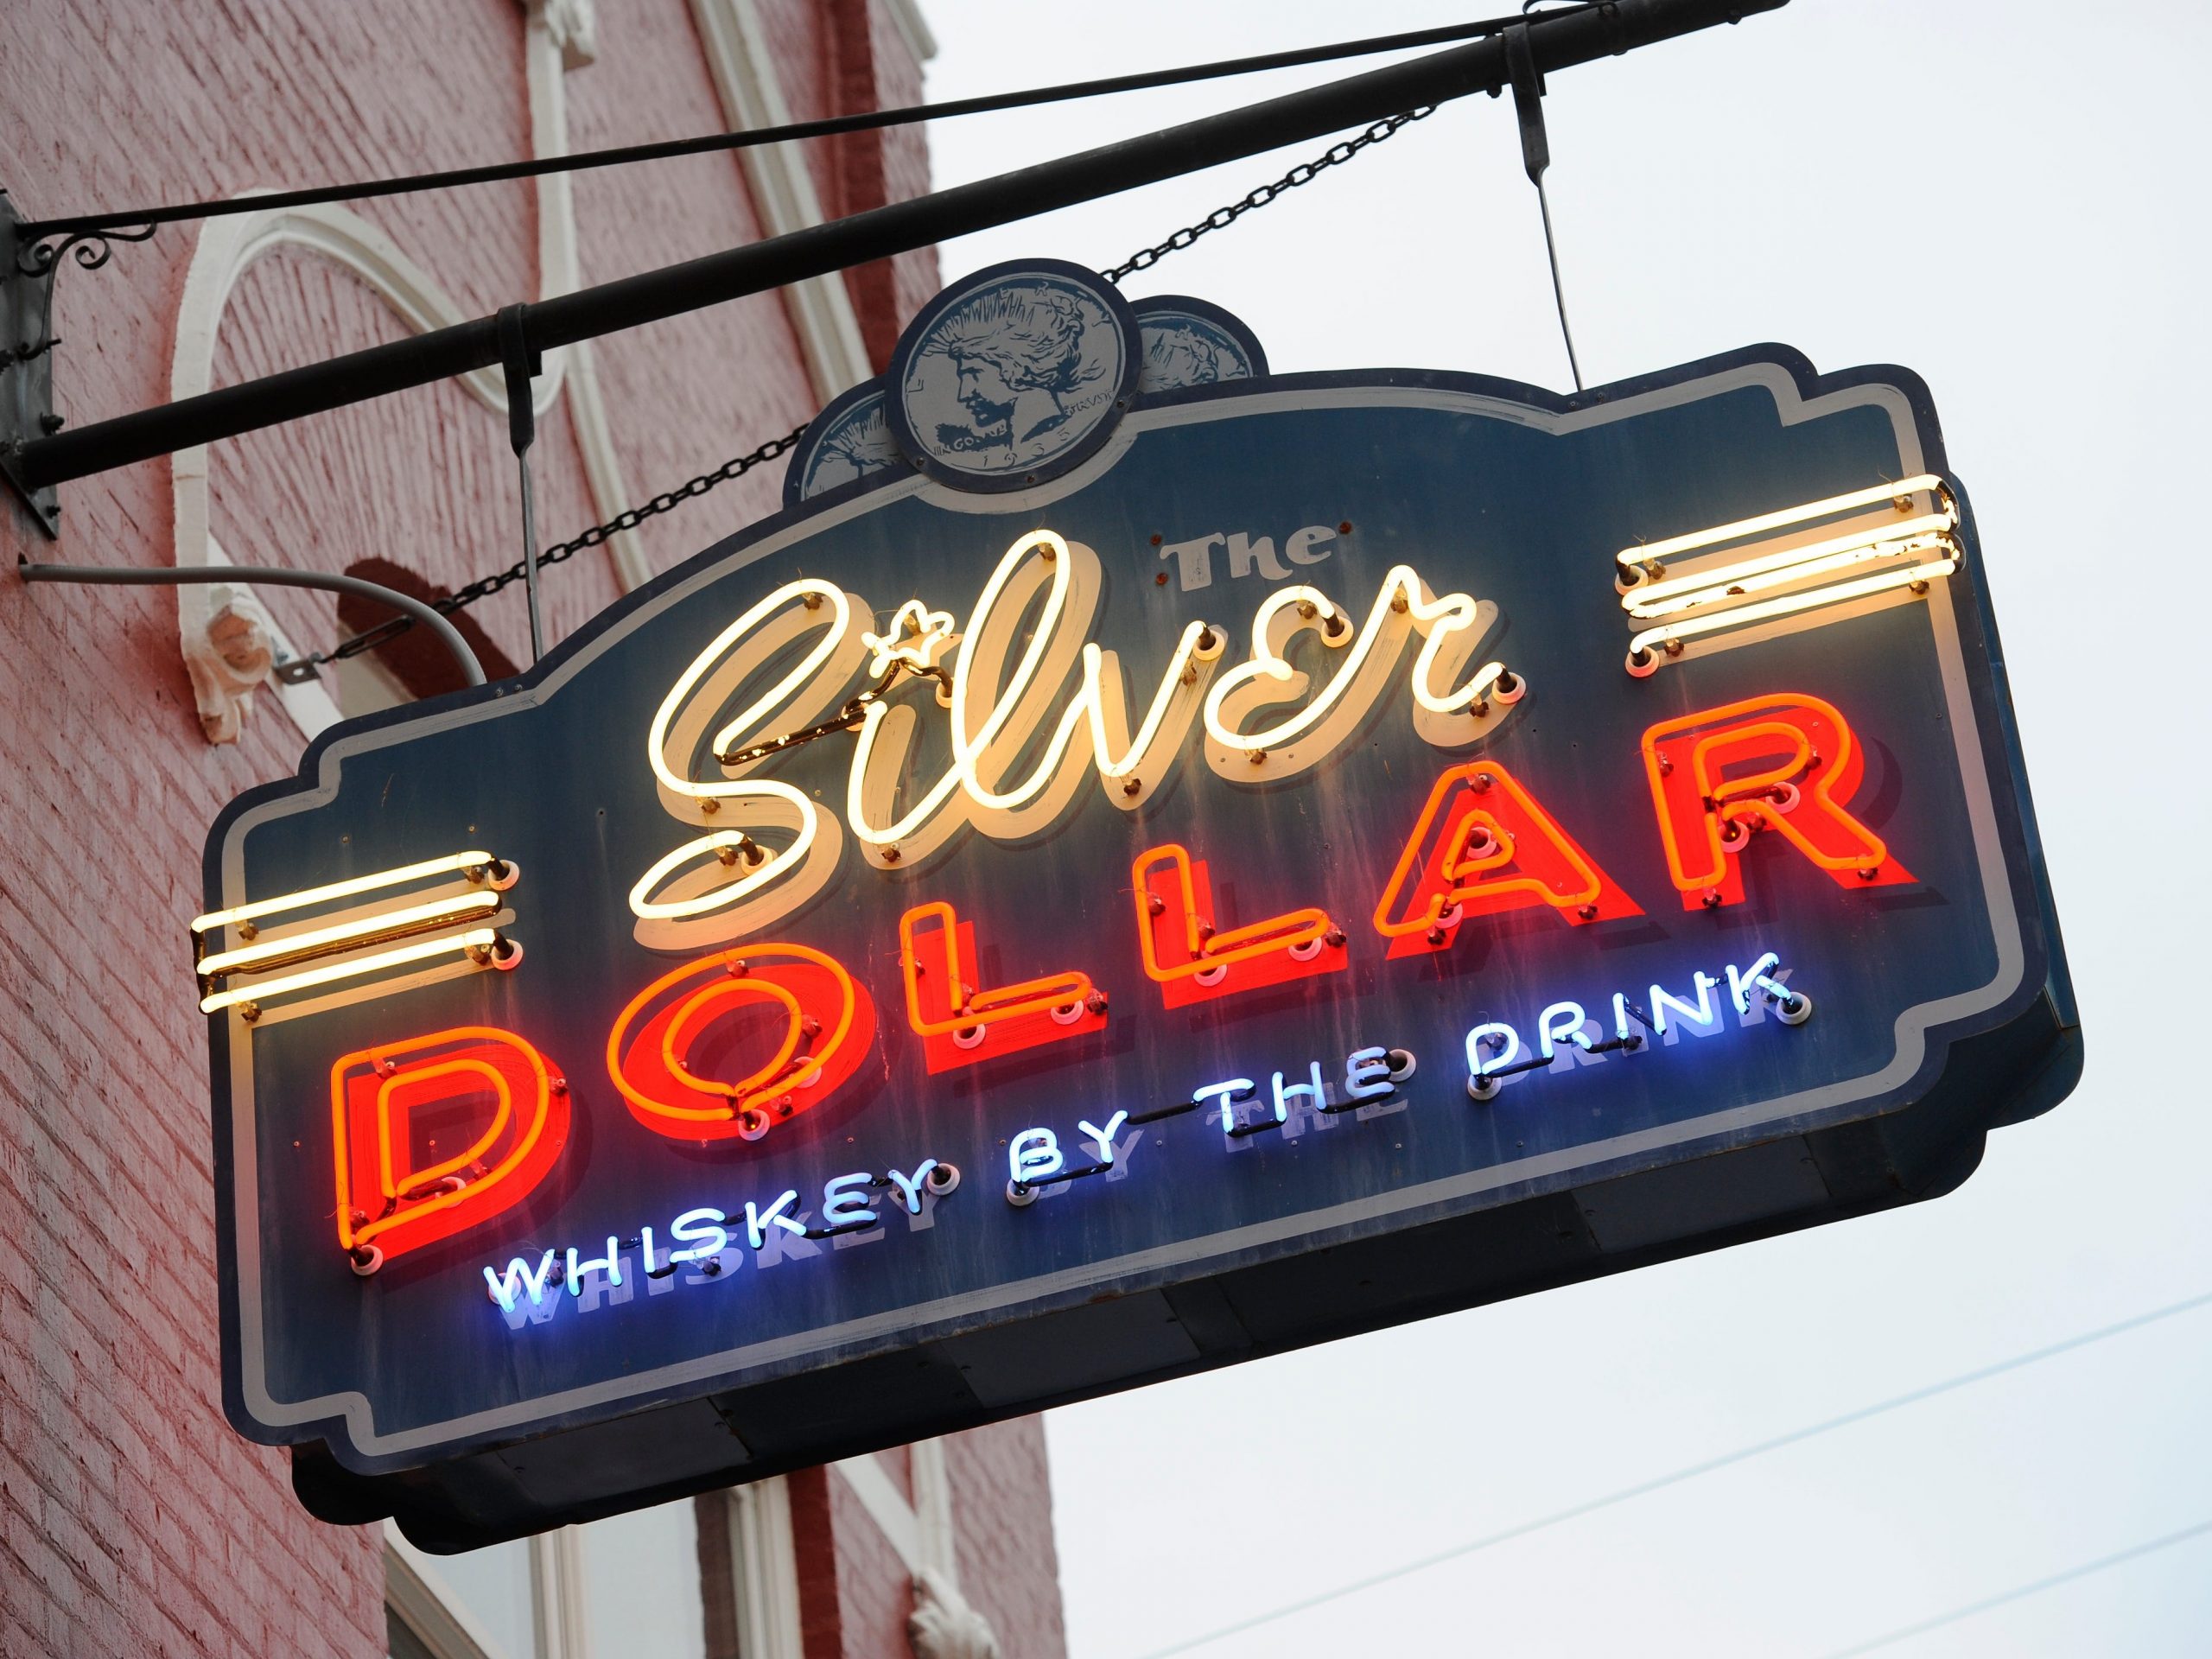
(962, 1382)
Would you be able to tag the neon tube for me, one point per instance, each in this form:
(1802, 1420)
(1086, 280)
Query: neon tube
(722, 1102)
(351, 1236)
(388, 1179)
(810, 592)
(380, 929)
(1402, 593)
(1655, 599)
(1456, 865)
(345, 889)
(1206, 951)
(1788, 605)
(932, 637)
(1634, 558)
(469, 943)
(971, 1010)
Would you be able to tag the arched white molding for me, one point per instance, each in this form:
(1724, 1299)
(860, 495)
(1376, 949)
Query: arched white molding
(563, 36)
(559, 35)
(783, 190)
(943, 1625)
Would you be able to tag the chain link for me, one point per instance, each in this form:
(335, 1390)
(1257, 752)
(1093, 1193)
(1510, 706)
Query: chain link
(1144, 259)
(737, 466)
(1304, 172)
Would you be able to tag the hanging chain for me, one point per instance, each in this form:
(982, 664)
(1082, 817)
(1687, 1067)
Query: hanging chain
(1304, 172)
(1220, 219)
(629, 519)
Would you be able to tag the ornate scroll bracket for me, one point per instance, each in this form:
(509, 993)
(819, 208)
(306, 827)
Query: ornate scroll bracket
(28, 270)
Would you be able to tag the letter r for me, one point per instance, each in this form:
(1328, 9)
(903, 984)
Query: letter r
(1789, 763)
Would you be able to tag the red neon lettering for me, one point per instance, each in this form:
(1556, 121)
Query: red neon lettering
(960, 1025)
(1786, 763)
(509, 1120)
(659, 1051)
(1192, 961)
(1482, 846)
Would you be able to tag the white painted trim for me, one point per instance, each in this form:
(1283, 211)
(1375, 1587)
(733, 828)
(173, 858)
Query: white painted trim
(226, 247)
(879, 1495)
(783, 190)
(933, 1509)
(556, 1567)
(550, 51)
(764, 1563)
(414, 1590)
(913, 29)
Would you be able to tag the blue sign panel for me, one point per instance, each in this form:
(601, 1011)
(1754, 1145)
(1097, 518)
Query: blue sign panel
(1145, 879)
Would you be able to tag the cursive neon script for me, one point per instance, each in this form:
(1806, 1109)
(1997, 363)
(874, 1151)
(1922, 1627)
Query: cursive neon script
(1025, 680)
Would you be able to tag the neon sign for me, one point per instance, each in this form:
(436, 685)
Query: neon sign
(1272, 972)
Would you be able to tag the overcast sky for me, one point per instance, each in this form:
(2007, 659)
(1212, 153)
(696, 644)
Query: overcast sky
(2009, 198)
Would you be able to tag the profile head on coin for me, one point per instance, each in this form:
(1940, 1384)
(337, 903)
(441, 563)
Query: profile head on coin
(849, 439)
(1013, 376)
(1189, 342)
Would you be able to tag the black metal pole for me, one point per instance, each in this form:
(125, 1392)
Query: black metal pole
(709, 144)
(1556, 42)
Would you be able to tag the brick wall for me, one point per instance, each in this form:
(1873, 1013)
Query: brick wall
(132, 1520)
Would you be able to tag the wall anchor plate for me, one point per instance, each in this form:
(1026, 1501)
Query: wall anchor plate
(26, 367)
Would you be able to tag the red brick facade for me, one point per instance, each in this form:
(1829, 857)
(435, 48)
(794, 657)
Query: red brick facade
(132, 1520)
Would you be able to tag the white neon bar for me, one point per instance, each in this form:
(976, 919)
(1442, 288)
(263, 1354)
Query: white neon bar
(347, 889)
(1739, 587)
(1630, 557)
(463, 907)
(1789, 604)
(476, 938)
(1655, 599)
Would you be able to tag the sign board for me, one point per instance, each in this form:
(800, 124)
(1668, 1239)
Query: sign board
(1144, 863)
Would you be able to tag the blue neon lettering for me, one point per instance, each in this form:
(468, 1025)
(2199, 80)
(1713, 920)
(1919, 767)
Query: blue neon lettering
(1480, 1064)
(1034, 1153)
(699, 1225)
(1550, 1027)
(503, 1286)
(1367, 1073)
(1319, 1095)
(1228, 1092)
(910, 1186)
(1739, 985)
(1103, 1137)
(610, 1264)
(841, 1204)
(757, 1221)
(1704, 1014)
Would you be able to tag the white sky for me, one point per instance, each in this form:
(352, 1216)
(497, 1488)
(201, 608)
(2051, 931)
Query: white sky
(2010, 199)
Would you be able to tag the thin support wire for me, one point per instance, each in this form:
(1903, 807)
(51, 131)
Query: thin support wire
(529, 558)
(246, 576)
(1558, 294)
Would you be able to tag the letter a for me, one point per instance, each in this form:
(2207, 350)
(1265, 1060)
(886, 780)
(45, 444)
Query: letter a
(1484, 845)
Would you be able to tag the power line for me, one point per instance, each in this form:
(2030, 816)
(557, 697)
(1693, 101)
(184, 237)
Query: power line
(1959, 1614)
(872, 120)
(1645, 1488)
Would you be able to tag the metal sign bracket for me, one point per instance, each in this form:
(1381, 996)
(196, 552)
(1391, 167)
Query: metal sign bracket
(29, 266)
(26, 365)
